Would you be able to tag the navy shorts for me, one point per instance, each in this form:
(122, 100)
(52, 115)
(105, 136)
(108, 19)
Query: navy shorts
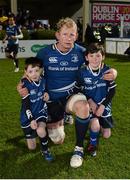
(56, 110)
(106, 122)
(12, 48)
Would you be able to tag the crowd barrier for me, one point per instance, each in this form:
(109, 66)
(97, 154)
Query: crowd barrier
(116, 45)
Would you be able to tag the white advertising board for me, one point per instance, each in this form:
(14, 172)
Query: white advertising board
(27, 48)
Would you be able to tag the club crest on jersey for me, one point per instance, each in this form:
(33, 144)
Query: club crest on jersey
(53, 60)
(32, 92)
(39, 94)
(63, 63)
(74, 58)
(88, 80)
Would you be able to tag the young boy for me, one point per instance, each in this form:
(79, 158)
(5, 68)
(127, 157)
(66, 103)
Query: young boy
(98, 91)
(34, 109)
(13, 34)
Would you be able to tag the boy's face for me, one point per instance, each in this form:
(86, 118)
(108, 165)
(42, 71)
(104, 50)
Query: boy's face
(66, 38)
(94, 59)
(33, 73)
(11, 21)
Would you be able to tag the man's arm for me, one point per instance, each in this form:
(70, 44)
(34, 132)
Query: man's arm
(109, 96)
(23, 91)
(110, 74)
(26, 105)
(108, 99)
(19, 35)
(5, 38)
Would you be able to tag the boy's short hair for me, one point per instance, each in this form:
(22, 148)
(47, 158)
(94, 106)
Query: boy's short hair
(11, 17)
(34, 61)
(67, 22)
(94, 48)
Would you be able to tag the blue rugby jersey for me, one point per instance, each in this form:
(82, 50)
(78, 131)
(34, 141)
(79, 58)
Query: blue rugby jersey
(12, 31)
(38, 107)
(61, 69)
(95, 87)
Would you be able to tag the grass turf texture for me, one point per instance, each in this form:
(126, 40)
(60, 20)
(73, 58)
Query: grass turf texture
(113, 157)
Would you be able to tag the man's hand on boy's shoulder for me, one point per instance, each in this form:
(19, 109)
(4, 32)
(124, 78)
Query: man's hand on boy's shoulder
(21, 89)
(110, 75)
(46, 96)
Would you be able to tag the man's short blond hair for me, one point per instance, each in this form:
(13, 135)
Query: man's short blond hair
(68, 22)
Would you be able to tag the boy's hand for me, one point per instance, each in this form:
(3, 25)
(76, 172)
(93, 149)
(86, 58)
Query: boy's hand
(13, 37)
(46, 96)
(110, 75)
(100, 110)
(93, 106)
(33, 124)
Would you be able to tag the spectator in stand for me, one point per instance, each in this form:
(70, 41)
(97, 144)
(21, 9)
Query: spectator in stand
(89, 35)
(115, 31)
(103, 34)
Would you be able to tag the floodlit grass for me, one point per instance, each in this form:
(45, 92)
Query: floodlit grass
(113, 158)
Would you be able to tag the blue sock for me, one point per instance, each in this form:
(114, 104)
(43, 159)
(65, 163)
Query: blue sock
(81, 127)
(93, 137)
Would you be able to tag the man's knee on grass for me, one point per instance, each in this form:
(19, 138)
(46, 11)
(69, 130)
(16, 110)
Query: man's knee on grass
(56, 132)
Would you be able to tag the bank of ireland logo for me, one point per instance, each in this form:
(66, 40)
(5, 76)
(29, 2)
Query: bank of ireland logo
(36, 47)
(63, 63)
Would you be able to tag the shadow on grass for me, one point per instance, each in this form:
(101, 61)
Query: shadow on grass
(16, 141)
(17, 161)
(19, 164)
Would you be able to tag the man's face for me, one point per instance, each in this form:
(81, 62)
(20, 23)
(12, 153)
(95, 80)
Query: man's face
(66, 38)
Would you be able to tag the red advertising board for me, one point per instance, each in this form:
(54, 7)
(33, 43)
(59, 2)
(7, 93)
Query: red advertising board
(103, 13)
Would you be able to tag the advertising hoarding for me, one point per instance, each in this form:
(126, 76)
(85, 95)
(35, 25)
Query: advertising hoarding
(107, 13)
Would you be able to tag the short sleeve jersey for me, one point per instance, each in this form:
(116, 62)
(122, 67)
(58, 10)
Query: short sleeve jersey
(12, 31)
(38, 107)
(61, 69)
(95, 87)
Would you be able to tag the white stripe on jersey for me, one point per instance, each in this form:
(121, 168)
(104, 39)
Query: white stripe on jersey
(66, 88)
(60, 51)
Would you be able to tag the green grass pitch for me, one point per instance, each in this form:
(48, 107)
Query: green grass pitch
(16, 162)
